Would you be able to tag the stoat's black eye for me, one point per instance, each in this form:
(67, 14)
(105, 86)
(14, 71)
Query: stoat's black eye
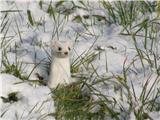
(69, 48)
(59, 48)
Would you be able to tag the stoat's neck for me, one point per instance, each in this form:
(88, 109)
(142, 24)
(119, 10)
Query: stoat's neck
(61, 60)
(61, 63)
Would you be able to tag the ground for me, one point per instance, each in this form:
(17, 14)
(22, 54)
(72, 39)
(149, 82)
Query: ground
(116, 51)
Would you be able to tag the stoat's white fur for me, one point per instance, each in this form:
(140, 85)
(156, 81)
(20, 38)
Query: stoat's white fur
(60, 66)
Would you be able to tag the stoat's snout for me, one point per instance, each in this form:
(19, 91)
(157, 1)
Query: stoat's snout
(66, 53)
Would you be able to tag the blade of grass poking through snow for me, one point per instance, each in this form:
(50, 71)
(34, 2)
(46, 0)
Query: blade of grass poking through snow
(35, 68)
(41, 3)
(155, 63)
(4, 25)
(123, 81)
(33, 108)
(146, 33)
(3, 113)
(150, 35)
(78, 61)
(19, 12)
(124, 70)
(142, 96)
(132, 12)
(111, 14)
(95, 70)
(49, 55)
(59, 24)
(11, 11)
(158, 8)
(140, 25)
(134, 94)
(4, 35)
(41, 106)
(152, 87)
(138, 50)
(30, 17)
(106, 102)
(19, 33)
(14, 68)
(153, 34)
(153, 104)
(121, 10)
(106, 62)
(4, 18)
(75, 63)
(50, 10)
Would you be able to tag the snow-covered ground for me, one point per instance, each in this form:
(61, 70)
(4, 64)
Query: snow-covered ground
(114, 53)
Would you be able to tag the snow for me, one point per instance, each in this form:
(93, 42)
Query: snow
(29, 96)
(35, 101)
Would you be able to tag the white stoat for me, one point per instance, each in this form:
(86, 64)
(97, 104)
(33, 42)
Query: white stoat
(60, 66)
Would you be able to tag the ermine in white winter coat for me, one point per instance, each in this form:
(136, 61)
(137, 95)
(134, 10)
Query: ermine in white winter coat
(60, 65)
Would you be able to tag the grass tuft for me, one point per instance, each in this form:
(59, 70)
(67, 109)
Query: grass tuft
(72, 104)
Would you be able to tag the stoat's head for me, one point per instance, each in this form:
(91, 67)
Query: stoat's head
(61, 49)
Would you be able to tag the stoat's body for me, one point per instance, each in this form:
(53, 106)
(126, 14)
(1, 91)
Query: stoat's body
(60, 66)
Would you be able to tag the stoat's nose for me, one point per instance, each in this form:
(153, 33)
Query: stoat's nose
(66, 53)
